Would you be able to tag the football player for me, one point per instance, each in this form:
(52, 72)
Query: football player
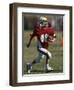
(44, 34)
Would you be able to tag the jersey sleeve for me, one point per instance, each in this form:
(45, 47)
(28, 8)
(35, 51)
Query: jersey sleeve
(52, 33)
(34, 32)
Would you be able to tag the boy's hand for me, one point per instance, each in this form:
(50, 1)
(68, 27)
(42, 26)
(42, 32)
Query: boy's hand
(28, 45)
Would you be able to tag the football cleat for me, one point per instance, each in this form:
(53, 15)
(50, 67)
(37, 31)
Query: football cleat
(29, 68)
(48, 68)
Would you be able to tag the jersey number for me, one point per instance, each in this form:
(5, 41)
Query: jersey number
(44, 38)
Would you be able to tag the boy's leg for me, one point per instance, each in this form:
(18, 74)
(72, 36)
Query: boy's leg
(35, 61)
(47, 66)
(42, 51)
(48, 57)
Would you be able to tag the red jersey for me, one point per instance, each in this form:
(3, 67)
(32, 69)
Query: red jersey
(43, 34)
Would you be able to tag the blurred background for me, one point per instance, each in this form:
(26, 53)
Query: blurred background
(30, 20)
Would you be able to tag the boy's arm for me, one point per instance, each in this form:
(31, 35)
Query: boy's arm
(31, 37)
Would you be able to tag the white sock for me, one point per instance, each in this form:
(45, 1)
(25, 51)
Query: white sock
(47, 65)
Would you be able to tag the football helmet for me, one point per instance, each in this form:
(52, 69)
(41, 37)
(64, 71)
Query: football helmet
(43, 21)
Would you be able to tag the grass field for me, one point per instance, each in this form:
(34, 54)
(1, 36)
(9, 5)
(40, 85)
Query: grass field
(30, 53)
